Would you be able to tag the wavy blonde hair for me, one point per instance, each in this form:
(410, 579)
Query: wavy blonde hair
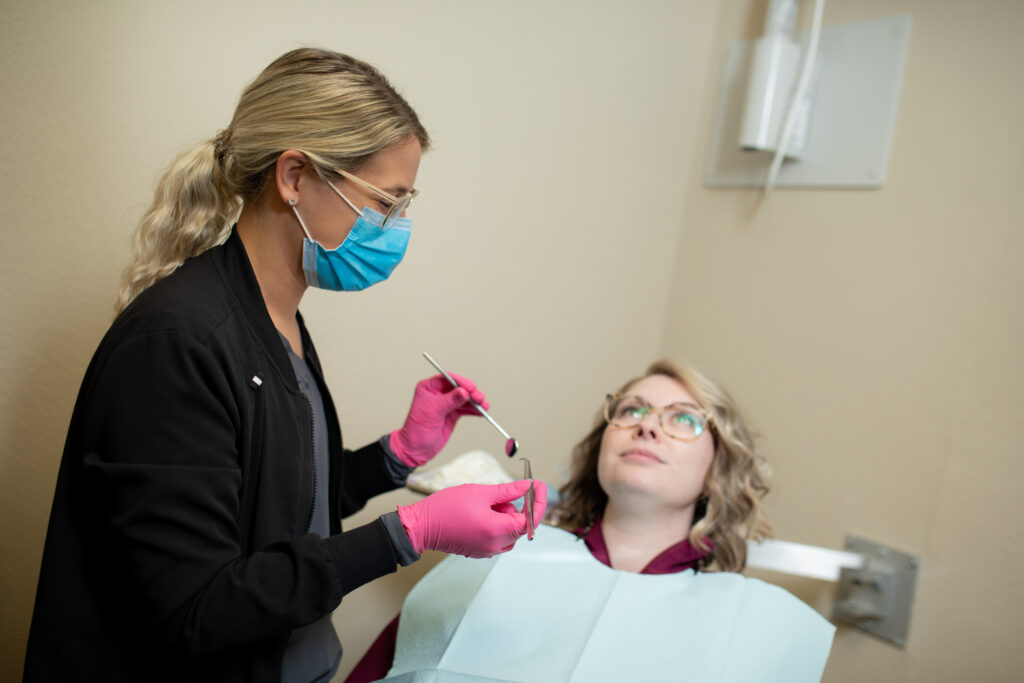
(731, 511)
(335, 109)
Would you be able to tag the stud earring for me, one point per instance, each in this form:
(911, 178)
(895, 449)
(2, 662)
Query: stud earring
(291, 202)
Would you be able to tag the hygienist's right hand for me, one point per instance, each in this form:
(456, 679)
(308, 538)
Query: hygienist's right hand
(436, 407)
(474, 520)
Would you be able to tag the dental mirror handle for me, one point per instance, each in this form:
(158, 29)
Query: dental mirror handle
(475, 404)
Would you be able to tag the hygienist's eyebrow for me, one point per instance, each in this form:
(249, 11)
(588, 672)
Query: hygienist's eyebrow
(399, 191)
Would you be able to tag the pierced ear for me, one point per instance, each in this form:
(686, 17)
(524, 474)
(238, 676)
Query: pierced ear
(288, 175)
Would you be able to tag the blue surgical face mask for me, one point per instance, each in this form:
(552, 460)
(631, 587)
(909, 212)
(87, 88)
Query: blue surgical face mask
(367, 256)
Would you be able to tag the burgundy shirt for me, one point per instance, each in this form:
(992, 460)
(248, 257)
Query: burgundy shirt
(377, 661)
(677, 558)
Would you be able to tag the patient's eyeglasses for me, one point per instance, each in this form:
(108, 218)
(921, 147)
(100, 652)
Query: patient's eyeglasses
(683, 421)
(393, 207)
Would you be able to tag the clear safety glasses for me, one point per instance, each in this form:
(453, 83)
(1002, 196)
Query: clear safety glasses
(683, 421)
(392, 207)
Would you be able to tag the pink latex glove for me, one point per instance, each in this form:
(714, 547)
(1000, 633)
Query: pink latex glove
(474, 520)
(436, 407)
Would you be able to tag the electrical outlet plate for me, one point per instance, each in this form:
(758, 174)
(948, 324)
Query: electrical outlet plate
(860, 70)
(878, 597)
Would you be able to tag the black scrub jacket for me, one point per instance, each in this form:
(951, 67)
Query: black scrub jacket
(176, 548)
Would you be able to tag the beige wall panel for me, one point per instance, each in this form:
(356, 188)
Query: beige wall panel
(875, 336)
(544, 240)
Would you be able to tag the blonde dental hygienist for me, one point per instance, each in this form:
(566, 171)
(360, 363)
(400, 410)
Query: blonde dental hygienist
(195, 532)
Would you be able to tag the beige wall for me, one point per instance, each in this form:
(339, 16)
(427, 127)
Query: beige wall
(569, 153)
(876, 336)
(550, 151)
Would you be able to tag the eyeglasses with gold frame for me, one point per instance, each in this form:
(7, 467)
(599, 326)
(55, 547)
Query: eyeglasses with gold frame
(686, 421)
(396, 205)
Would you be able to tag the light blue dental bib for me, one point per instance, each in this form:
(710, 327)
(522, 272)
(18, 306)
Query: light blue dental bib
(548, 611)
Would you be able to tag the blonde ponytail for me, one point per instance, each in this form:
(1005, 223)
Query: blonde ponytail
(337, 110)
(190, 213)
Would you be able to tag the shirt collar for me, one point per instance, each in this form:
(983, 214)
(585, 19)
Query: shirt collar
(672, 560)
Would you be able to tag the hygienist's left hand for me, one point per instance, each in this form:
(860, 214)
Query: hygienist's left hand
(436, 407)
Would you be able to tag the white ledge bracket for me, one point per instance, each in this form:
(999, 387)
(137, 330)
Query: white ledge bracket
(875, 590)
(802, 560)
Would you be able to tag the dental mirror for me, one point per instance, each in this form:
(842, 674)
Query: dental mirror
(511, 445)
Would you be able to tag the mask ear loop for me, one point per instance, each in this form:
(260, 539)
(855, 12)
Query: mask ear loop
(292, 202)
(338, 192)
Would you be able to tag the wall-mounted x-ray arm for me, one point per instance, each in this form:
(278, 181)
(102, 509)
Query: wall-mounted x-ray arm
(822, 101)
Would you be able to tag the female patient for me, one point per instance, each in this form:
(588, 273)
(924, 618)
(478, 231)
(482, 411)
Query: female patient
(664, 491)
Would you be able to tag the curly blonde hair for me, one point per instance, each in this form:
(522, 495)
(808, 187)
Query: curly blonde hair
(335, 109)
(731, 511)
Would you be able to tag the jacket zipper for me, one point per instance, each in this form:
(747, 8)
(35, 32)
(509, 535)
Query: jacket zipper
(312, 453)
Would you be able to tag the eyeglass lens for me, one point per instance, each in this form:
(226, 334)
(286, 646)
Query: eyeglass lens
(397, 209)
(679, 420)
(391, 210)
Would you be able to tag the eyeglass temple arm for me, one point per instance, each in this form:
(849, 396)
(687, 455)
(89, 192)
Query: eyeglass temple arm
(362, 183)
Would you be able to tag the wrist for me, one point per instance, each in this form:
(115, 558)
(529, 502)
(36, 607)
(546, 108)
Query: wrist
(400, 450)
(409, 516)
(404, 550)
